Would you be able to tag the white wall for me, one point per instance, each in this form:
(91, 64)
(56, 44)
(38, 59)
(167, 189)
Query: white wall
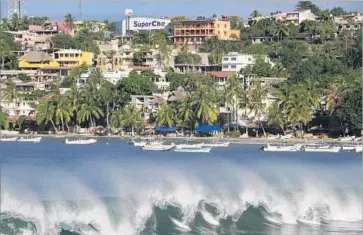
(236, 62)
(143, 23)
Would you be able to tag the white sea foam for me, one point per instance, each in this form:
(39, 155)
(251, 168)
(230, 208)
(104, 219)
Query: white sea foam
(147, 185)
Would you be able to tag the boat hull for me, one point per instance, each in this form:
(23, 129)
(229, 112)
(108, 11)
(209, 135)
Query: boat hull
(226, 144)
(30, 140)
(80, 142)
(322, 150)
(158, 147)
(12, 139)
(194, 150)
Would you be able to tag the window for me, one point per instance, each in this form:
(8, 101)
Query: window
(233, 66)
(225, 59)
(233, 58)
(225, 66)
(225, 26)
(249, 59)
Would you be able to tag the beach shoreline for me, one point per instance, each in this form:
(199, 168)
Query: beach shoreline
(249, 140)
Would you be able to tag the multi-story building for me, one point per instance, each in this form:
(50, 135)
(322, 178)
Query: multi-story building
(348, 23)
(298, 16)
(71, 58)
(234, 61)
(68, 58)
(197, 31)
(115, 59)
(142, 24)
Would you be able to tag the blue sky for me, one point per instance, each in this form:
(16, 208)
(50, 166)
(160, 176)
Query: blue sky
(114, 10)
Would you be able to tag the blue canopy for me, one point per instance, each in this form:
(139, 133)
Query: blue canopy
(208, 128)
(166, 129)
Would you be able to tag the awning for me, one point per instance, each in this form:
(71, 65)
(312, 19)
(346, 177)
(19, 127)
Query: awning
(166, 129)
(208, 128)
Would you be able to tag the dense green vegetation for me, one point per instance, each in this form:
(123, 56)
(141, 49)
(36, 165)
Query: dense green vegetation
(323, 86)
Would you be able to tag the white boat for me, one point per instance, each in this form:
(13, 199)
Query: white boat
(81, 141)
(10, 139)
(30, 139)
(158, 147)
(359, 149)
(189, 146)
(281, 148)
(330, 149)
(139, 144)
(216, 144)
(358, 139)
(350, 147)
(194, 150)
(157, 142)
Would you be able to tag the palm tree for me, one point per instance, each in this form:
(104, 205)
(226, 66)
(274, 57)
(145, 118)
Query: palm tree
(298, 109)
(257, 94)
(69, 21)
(89, 110)
(280, 31)
(45, 112)
(63, 109)
(335, 96)
(131, 116)
(276, 115)
(165, 116)
(312, 91)
(230, 94)
(255, 14)
(186, 112)
(10, 93)
(107, 96)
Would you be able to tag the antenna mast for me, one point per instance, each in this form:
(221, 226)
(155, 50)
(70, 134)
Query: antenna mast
(80, 10)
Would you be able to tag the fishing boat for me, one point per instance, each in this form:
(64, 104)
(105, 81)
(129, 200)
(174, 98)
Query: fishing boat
(281, 148)
(189, 146)
(139, 144)
(29, 139)
(349, 147)
(10, 139)
(329, 149)
(80, 141)
(359, 149)
(194, 150)
(216, 144)
(157, 142)
(158, 147)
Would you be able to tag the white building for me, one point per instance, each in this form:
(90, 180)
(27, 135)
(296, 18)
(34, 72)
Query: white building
(234, 61)
(19, 108)
(138, 24)
(298, 16)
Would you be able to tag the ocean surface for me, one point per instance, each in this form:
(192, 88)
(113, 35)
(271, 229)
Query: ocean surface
(113, 188)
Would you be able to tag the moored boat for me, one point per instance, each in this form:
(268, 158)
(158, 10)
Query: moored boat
(189, 146)
(194, 150)
(29, 139)
(359, 149)
(330, 149)
(81, 141)
(216, 144)
(10, 139)
(139, 144)
(281, 148)
(350, 147)
(158, 147)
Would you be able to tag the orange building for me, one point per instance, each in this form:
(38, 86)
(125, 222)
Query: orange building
(197, 31)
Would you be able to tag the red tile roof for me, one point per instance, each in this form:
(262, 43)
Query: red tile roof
(220, 74)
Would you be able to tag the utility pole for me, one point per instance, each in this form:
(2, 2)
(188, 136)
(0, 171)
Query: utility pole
(80, 10)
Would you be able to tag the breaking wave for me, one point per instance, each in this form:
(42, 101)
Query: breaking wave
(156, 199)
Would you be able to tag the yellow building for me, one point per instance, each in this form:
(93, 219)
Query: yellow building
(197, 31)
(63, 59)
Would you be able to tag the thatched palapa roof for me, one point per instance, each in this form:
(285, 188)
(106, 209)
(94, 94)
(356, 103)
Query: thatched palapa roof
(36, 56)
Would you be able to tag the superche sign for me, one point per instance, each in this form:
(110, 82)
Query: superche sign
(148, 24)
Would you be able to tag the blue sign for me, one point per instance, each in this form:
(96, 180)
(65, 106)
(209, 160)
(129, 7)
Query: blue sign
(149, 24)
